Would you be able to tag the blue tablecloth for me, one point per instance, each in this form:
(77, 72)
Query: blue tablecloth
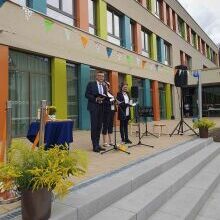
(56, 132)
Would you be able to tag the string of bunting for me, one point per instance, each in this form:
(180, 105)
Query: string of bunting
(48, 26)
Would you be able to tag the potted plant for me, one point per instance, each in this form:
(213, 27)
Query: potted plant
(52, 112)
(203, 125)
(36, 173)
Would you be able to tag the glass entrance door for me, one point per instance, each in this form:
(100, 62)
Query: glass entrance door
(29, 83)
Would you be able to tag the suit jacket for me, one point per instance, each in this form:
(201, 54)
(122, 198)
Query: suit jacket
(91, 93)
(122, 107)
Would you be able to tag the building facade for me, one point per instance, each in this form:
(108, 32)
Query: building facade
(50, 49)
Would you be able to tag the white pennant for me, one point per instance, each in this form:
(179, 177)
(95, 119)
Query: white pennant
(97, 46)
(138, 60)
(67, 33)
(119, 55)
(27, 12)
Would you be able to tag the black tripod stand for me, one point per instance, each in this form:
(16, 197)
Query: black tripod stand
(179, 128)
(115, 146)
(139, 133)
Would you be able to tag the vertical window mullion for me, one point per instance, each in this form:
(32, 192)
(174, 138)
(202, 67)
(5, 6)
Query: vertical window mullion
(113, 24)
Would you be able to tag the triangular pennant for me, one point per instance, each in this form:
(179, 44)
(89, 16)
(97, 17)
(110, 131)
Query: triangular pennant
(138, 61)
(67, 33)
(97, 46)
(2, 2)
(119, 55)
(48, 24)
(84, 40)
(129, 59)
(27, 12)
(143, 63)
(109, 51)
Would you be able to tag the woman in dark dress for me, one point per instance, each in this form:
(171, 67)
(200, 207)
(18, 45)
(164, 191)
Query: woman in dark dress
(124, 114)
(108, 118)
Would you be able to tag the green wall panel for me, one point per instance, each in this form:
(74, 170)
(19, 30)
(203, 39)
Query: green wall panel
(59, 87)
(168, 101)
(153, 44)
(101, 19)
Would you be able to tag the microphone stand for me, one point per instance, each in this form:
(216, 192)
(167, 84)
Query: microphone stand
(115, 146)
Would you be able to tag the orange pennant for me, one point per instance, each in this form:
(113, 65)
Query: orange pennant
(143, 63)
(85, 41)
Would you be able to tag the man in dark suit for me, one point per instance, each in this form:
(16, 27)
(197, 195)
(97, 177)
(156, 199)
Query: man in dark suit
(95, 93)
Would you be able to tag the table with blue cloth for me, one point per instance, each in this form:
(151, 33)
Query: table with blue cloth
(56, 132)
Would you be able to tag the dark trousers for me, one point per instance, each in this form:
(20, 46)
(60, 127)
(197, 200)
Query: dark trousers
(108, 119)
(96, 118)
(124, 129)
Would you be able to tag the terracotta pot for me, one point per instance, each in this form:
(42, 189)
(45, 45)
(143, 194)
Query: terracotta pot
(203, 132)
(36, 205)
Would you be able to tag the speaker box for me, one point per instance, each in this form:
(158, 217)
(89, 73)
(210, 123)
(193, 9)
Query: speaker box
(181, 76)
(134, 92)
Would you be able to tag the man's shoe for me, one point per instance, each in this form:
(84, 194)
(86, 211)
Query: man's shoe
(128, 142)
(102, 148)
(96, 150)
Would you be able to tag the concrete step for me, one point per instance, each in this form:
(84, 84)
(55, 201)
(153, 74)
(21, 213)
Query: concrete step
(211, 210)
(187, 202)
(87, 201)
(144, 201)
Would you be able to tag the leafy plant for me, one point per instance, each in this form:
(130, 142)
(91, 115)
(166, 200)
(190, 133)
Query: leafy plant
(35, 169)
(203, 123)
(52, 110)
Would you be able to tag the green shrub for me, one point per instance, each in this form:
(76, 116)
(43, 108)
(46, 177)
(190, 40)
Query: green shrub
(31, 169)
(203, 123)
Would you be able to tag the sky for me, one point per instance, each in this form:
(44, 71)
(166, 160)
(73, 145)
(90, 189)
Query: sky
(207, 14)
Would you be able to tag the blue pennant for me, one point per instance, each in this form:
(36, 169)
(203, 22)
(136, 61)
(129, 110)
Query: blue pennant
(2, 2)
(109, 51)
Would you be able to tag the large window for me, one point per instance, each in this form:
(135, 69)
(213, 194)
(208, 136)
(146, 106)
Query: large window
(158, 8)
(162, 96)
(139, 82)
(113, 27)
(193, 38)
(62, 10)
(167, 53)
(92, 17)
(181, 27)
(72, 93)
(145, 39)
(20, 2)
(188, 61)
(132, 33)
(29, 83)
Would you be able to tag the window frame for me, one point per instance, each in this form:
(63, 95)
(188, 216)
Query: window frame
(132, 34)
(60, 9)
(144, 51)
(167, 55)
(93, 26)
(113, 14)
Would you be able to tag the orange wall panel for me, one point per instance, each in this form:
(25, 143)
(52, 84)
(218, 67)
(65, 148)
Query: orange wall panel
(82, 14)
(155, 100)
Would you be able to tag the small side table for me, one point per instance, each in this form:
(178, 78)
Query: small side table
(160, 126)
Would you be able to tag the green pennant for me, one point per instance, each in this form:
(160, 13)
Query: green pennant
(129, 59)
(48, 24)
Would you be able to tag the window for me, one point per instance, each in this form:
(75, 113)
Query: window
(92, 16)
(174, 20)
(145, 40)
(167, 55)
(132, 32)
(188, 33)
(188, 61)
(157, 8)
(61, 10)
(20, 2)
(113, 27)
(180, 27)
(203, 47)
(168, 15)
(193, 39)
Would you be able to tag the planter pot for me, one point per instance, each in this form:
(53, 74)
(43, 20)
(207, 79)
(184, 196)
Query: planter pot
(36, 205)
(203, 132)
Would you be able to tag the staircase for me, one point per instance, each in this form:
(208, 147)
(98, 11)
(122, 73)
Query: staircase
(171, 185)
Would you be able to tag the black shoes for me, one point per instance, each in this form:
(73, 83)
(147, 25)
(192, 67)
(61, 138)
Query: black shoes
(98, 149)
(128, 142)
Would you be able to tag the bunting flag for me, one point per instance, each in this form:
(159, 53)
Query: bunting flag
(97, 46)
(143, 63)
(109, 51)
(2, 2)
(67, 33)
(138, 61)
(48, 24)
(129, 59)
(119, 56)
(27, 12)
(84, 40)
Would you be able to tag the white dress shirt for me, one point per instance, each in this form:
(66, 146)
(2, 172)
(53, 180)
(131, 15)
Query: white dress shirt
(126, 98)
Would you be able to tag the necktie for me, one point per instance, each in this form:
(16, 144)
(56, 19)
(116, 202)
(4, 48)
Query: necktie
(100, 88)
